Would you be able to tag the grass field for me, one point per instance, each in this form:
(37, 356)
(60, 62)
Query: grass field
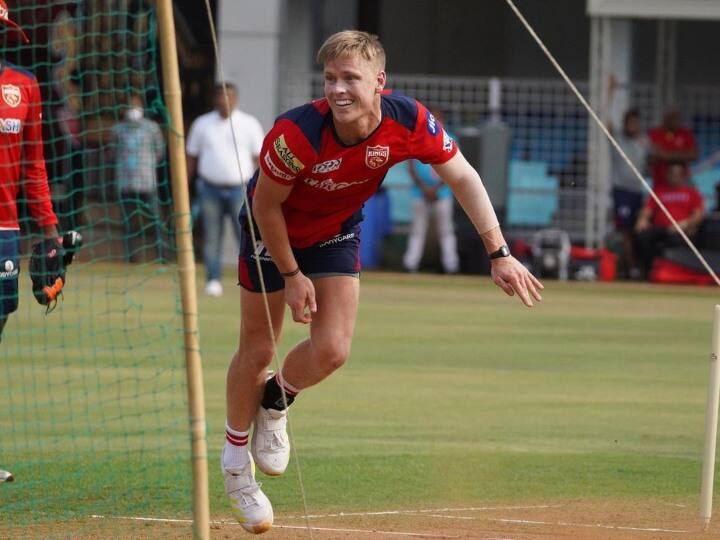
(455, 395)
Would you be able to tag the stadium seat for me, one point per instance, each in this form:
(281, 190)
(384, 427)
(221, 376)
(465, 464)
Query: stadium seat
(532, 194)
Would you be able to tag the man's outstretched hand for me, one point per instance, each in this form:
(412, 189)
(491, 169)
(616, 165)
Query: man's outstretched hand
(512, 277)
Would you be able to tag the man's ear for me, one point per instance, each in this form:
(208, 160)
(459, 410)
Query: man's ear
(381, 80)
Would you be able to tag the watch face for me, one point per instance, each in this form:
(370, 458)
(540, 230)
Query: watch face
(504, 251)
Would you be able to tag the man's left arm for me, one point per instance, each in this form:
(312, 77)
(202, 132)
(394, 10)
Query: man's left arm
(34, 174)
(507, 272)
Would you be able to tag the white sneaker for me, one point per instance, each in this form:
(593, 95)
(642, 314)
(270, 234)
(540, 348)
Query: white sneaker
(214, 288)
(6, 476)
(249, 504)
(270, 445)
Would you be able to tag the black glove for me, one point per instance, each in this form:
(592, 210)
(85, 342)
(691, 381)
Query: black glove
(47, 267)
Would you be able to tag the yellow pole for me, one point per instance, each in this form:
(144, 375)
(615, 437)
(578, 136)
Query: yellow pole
(186, 266)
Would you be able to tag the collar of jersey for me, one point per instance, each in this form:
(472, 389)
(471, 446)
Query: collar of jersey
(337, 139)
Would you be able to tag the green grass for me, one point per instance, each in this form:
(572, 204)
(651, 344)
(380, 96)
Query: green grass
(454, 394)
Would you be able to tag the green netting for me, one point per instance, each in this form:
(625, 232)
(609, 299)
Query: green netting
(93, 415)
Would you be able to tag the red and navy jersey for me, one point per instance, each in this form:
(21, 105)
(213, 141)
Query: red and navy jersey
(22, 165)
(330, 180)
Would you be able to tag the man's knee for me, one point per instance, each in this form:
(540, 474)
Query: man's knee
(332, 355)
(257, 355)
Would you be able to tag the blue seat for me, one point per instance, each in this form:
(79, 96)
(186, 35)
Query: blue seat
(532, 194)
(705, 184)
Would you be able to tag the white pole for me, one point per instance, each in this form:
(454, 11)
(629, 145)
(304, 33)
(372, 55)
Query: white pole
(711, 425)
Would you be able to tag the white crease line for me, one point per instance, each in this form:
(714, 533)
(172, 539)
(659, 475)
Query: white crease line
(424, 511)
(396, 533)
(328, 529)
(594, 525)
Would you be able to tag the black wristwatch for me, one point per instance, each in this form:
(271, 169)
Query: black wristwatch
(504, 251)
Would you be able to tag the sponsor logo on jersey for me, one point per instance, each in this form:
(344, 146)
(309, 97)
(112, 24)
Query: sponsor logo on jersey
(274, 169)
(11, 94)
(377, 156)
(327, 166)
(10, 269)
(10, 125)
(328, 184)
(432, 126)
(447, 142)
(284, 153)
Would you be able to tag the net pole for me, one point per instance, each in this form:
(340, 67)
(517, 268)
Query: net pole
(711, 425)
(186, 268)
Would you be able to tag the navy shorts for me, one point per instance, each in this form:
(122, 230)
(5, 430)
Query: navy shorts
(338, 256)
(627, 205)
(9, 270)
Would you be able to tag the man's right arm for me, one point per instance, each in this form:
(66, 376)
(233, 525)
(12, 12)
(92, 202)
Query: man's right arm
(191, 166)
(267, 212)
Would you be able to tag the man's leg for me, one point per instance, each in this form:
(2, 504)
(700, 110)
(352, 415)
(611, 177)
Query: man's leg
(5, 476)
(331, 332)
(416, 238)
(212, 215)
(446, 235)
(245, 381)
(248, 369)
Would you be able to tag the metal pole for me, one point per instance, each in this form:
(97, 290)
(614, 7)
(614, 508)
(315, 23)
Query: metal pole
(186, 268)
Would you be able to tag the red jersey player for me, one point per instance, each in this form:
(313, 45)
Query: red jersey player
(22, 167)
(318, 165)
(671, 143)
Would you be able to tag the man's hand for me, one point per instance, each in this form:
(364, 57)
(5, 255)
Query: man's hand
(300, 296)
(512, 277)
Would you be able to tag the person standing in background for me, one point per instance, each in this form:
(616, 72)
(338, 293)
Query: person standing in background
(431, 196)
(139, 148)
(223, 160)
(22, 171)
(627, 192)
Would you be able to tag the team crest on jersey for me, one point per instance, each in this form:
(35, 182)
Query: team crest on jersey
(11, 94)
(377, 156)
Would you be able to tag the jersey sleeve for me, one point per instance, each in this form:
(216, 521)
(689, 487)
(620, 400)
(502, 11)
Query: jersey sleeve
(286, 152)
(34, 174)
(430, 143)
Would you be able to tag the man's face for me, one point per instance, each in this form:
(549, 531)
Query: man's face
(351, 84)
(221, 105)
(632, 126)
(672, 119)
(676, 175)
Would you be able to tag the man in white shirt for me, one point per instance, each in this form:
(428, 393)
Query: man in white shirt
(223, 159)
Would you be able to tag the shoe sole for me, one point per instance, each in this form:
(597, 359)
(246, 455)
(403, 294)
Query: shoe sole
(259, 528)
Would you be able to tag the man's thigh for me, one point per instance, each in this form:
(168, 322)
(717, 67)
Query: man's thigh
(254, 324)
(9, 270)
(337, 300)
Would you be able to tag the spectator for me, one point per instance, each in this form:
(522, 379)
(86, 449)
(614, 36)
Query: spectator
(654, 230)
(671, 142)
(224, 159)
(626, 190)
(431, 196)
(139, 147)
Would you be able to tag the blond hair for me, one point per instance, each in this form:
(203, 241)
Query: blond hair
(353, 43)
